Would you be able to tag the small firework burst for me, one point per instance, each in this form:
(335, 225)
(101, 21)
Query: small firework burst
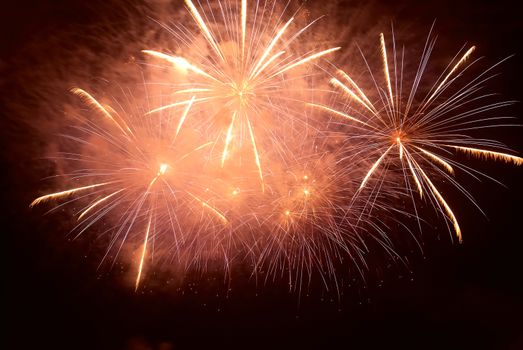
(419, 134)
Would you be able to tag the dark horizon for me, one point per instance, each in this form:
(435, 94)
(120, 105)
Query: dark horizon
(456, 296)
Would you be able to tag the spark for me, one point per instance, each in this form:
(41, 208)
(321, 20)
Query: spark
(184, 116)
(228, 138)
(374, 166)
(452, 71)
(443, 202)
(333, 111)
(204, 28)
(256, 154)
(65, 193)
(508, 158)
(335, 82)
(211, 208)
(163, 169)
(414, 175)
(244, 25)
(90, 100)
(364, 99)
(306, 60)
(144, 250)
(386, 68)
(95, 204)
(438, 160)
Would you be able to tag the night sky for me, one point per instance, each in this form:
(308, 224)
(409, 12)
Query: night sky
(454, 297)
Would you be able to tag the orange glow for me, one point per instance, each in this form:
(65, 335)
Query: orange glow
(242, 142)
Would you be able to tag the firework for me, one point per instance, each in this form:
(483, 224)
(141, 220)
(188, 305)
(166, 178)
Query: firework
(135, 173)
(245, 74)
(419, 135)
(234, 163)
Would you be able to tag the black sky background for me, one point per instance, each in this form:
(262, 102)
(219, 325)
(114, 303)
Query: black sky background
(457, 297)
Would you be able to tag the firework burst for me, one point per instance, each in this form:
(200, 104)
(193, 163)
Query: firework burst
(245, 73)
(418, 128)
(235, 164)
(137, 173)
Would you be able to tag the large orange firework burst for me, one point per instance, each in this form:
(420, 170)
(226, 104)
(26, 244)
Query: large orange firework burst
(246, 74)
(229, 164)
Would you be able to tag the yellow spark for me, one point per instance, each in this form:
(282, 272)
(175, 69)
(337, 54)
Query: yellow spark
(176, 104)
(256, 155)
(442, 201)
(374, 166)
(228, 138)
(192, 90)
(244, 25)
(204, 28)
(460, 62)
(184, 116)
(508, 158)
(270, 47)
(333, 111)
(351, 93)
(91, 101)
(438, 160)
(306, 191)
(65, 193)
(398, 140)
(196, 149)
(266, 64)
(414, 175)
(307, 59)
(355, 86)
(152, 182)
(163, 169)
(386, 67)
(143, 253)
(111, 110)
(179, 62)
(211, 208)
(98, 202)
